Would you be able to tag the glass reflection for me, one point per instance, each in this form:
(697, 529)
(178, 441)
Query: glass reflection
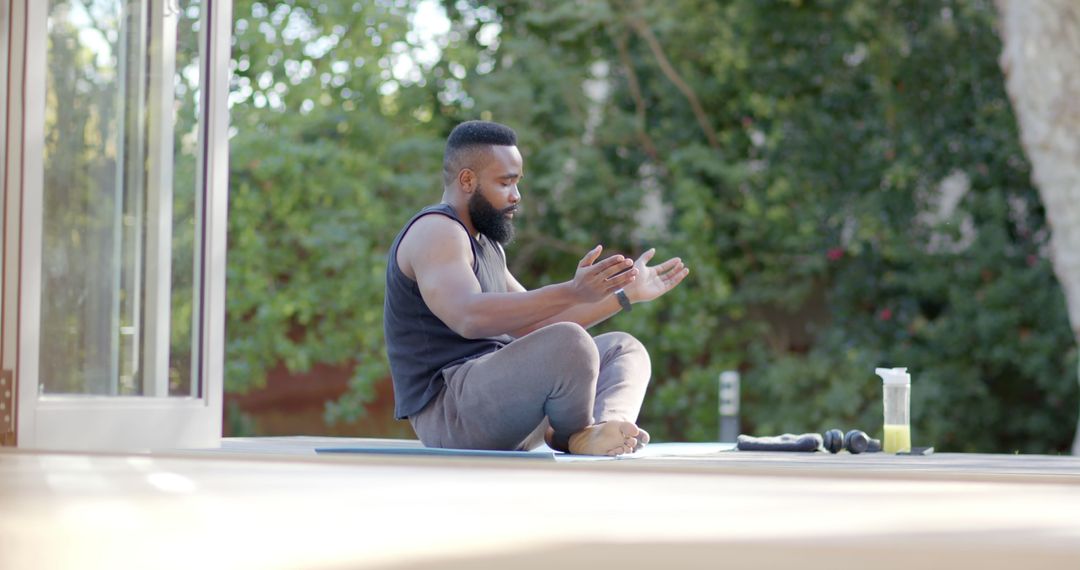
(120, 192)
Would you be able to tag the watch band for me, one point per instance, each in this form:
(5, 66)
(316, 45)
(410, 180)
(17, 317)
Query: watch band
(624, 300)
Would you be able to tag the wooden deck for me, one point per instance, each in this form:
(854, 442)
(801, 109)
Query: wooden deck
(273, 503)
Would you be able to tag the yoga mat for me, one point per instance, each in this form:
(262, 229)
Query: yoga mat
(438, 452)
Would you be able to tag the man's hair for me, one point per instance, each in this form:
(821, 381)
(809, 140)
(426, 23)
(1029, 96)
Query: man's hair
(467, 145)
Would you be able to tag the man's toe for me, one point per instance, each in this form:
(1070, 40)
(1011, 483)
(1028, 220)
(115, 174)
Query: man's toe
(642, 439)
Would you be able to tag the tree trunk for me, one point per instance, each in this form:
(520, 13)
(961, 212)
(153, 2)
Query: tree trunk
(1041, 61)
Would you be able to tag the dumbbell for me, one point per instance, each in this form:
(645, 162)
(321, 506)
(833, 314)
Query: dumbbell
(855, 441)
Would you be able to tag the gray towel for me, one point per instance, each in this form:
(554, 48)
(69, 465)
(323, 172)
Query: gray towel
(786, 442)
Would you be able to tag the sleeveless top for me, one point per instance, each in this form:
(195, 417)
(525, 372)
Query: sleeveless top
(419, 345)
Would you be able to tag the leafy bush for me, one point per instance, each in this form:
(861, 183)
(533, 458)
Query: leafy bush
(844, 179)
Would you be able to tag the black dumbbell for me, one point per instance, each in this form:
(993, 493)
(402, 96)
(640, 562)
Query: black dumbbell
(855, 441)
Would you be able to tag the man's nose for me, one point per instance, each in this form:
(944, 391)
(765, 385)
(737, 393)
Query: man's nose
(515, 195)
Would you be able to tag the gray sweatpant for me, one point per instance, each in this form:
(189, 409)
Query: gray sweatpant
(557, 375)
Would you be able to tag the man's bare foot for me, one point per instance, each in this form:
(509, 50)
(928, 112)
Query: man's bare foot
(608, 438)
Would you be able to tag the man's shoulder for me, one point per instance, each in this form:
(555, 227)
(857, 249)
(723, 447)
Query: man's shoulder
(434, 237)
(435, 225)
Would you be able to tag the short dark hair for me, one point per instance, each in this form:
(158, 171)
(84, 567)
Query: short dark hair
(469, 137)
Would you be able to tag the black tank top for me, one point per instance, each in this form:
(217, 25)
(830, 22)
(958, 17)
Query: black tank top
(418, 344)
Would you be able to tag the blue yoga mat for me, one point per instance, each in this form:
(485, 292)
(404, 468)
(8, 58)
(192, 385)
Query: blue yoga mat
(429, 451)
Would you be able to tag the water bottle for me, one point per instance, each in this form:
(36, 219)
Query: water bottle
(897, 404)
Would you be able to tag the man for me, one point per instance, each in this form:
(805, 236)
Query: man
(479, 362)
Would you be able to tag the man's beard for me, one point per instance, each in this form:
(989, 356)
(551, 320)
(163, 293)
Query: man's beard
(488, 220)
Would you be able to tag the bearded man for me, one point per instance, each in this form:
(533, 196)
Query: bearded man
(480, 362)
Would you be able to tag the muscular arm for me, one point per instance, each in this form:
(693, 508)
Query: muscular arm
(584, 314)
(436, 253)
(651, 282)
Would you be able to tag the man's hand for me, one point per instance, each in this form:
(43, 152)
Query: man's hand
(656, 280)
(594, 281)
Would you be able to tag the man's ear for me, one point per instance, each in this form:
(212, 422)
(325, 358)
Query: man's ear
(466, 180)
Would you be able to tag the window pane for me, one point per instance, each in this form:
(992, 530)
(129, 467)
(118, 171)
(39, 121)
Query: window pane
(187, 144)
(121, 184)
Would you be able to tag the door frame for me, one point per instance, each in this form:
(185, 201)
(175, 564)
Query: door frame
(10, 155)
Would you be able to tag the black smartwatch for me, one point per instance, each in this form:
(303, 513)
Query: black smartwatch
(624, 300)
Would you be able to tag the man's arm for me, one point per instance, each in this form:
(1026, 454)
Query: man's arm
(651, 283)
(584, 314)
(437, 253)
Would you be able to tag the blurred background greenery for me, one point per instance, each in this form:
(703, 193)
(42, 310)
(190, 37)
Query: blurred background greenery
(845, 180)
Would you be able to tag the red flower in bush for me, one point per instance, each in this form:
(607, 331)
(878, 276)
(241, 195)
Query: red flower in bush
(885, 314)
(834, 254)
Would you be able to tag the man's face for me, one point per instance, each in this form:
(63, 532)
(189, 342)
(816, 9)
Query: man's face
(495, 198)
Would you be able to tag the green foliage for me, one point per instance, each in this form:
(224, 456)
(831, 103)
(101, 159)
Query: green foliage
(238, 423)
(322, 175)
(796, 151)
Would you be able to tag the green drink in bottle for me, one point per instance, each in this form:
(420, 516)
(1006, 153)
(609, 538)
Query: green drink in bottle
(897, 404)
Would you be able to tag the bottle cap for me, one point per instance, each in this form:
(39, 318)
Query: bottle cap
(893, 375)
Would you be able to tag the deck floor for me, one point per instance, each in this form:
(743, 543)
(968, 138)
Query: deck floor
(273, 503)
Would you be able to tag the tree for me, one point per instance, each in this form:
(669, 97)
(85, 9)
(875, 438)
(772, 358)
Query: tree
(1041, 60)
(329, 155)
(854, 196)
(844, 178)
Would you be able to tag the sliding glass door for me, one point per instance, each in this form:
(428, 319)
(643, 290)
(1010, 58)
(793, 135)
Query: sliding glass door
(123, 200)
(121, 179)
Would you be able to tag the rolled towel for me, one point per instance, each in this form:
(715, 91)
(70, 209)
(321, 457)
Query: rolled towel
(786, 442)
